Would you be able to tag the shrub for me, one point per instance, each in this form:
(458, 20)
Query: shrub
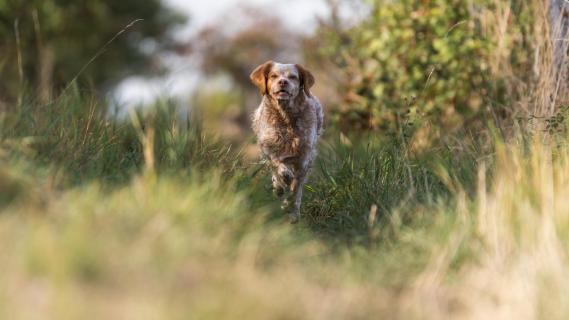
(414, 61)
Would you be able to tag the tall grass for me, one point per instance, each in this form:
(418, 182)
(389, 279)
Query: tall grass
(149, 218)
(78, 137)
(525, 55)
(454, 234)
(352, 178)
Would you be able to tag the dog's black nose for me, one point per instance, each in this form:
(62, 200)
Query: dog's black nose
(283, 82)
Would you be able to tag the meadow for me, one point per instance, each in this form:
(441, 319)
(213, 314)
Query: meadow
(149, 216)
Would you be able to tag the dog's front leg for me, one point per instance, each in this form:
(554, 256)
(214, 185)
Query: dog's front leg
(282, 177)
(296, 188)
(286, 186)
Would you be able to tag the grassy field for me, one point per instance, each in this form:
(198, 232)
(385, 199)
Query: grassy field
(148, 218)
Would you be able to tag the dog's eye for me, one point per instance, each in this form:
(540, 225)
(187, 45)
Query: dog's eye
(293, 77)
(273, 76)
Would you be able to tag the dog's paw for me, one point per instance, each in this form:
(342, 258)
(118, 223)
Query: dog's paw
(285, 205)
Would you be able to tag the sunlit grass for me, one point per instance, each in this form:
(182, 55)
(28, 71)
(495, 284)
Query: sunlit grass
(149, 217)
(455, 233)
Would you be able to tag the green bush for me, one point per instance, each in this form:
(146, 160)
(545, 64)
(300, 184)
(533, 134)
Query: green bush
(412, 60)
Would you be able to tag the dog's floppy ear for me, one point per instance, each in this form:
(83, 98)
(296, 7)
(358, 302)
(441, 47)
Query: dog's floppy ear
(259, 76)
(306, 79)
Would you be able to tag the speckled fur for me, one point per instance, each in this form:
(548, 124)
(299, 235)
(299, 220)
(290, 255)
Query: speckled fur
(287, 124)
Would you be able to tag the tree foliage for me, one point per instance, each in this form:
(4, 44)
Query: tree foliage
(413, 60)
(54, 39)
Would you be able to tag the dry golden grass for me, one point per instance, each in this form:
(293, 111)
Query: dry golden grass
(109, 220)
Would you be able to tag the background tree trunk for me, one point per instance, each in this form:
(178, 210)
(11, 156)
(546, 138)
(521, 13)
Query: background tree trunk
(559, 23)
(46, 67)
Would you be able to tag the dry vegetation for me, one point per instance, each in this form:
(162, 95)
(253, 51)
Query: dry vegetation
(150, 218)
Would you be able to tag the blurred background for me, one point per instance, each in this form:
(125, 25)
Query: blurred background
(227, 18)
(380, 66)
(220, 44)
(196, 55)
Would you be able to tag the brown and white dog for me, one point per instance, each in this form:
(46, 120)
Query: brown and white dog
(287, 124)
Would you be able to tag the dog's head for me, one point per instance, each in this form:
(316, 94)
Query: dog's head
(282, 81)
